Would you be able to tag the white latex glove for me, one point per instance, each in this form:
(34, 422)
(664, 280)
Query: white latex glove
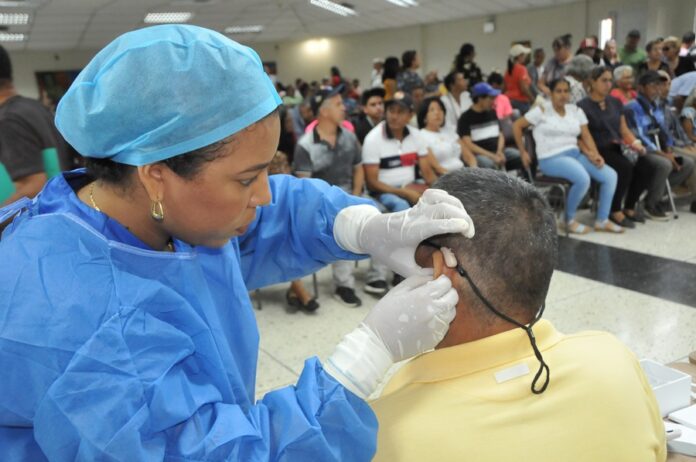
(392, 238)
(411, 319)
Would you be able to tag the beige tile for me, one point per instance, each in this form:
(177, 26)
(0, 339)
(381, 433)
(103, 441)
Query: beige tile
(271, 375)
(651, 327)
(675, 239)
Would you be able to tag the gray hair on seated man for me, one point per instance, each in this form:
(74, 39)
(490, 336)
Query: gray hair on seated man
(580, 67)
(510, 259)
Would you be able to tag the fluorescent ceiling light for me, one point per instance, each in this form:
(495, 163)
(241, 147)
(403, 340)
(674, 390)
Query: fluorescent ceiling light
(243, 29)
(168, 18)
(333, 7)
(14, 19)
(404, 3)
(8, 37)
(17, 4)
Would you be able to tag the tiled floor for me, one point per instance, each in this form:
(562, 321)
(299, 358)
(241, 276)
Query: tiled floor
(651, 323)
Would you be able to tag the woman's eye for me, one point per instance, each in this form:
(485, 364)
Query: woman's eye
(247, 183)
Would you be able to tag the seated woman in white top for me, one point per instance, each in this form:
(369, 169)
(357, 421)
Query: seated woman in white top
(557, 127)
(445, 147)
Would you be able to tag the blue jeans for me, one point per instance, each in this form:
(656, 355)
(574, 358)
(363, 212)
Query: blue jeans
(573, 166)
(393, 203)
(512, 160)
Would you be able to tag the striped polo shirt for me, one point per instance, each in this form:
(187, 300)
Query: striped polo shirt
(397, 160)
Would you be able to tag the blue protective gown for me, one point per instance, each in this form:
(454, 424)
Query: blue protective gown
(110, 351)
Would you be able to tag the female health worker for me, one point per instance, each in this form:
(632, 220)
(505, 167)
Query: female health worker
(126, 331)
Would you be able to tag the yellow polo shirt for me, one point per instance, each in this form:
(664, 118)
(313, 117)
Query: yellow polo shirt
(447, 405)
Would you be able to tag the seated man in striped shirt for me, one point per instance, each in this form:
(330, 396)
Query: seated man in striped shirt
(390, 154)
(479, 129)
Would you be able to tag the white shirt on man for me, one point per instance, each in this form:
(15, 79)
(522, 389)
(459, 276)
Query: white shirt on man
(444, 146)
(554, 134)
(396, 159)
(454, 108)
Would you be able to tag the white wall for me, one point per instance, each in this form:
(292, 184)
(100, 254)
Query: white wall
(25, 64)
(437, 43)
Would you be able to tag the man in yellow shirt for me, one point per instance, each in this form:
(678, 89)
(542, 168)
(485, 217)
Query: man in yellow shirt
(502, 386)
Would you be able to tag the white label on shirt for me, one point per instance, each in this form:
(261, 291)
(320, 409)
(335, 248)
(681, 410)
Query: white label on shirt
(512, 373)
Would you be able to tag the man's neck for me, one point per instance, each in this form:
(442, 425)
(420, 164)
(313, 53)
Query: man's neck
(398, 134)
(468, 327)
(327, 129)
(372, 121)
(456, 94)
(478, 107)
(6, 93)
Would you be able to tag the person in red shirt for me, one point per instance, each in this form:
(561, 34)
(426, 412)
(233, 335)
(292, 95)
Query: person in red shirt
(517, 80)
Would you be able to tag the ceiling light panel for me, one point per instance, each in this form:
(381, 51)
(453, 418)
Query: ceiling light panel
(14, 19)
(9, 37)
(403, 3)
(333, 7)
(243, 29)
(174, 17)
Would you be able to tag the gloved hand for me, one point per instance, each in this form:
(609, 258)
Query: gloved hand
(392, 238)
(411, 319)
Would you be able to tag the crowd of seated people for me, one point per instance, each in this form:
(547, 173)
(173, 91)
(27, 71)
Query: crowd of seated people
(621, 116)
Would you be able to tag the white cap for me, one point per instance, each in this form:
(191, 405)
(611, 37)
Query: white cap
(519, 49)
(377, 60)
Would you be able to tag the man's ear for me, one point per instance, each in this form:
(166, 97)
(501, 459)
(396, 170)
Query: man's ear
(427, 257)
(438, 263)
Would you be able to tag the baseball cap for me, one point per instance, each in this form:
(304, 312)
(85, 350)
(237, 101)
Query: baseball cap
(483, 89)
(402, 99)
(377, 60)
(588, 42)
(650, 77)
(322, 95)
(369, 93)
(519, 49)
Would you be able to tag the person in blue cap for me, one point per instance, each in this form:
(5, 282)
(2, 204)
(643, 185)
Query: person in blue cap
(126, 330)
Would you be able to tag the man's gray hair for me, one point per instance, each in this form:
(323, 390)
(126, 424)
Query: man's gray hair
(620, 71)
(512, 256)
(580, 67)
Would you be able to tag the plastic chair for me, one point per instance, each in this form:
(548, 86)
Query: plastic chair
(551, 182)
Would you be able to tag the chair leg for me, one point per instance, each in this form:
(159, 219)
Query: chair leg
(564, 209)
(671, 199)
(315, 285)
(257, 294)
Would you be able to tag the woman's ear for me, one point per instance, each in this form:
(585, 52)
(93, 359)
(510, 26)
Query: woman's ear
(151, 177)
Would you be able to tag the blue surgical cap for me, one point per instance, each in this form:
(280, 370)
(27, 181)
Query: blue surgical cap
(163, 91)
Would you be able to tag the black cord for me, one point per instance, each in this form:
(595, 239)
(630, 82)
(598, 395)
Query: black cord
(543, 367)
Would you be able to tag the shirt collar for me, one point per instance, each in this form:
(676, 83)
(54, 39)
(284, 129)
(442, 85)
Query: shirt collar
(390, 136)
(58, 196)
(468, 358)
(317, 138)
(651, 104)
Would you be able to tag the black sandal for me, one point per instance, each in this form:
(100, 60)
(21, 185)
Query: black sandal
(294, 302)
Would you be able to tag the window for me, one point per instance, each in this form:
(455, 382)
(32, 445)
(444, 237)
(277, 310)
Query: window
(606, 31)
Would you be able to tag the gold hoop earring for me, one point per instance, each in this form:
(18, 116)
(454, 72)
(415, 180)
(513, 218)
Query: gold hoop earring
(157, 211)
